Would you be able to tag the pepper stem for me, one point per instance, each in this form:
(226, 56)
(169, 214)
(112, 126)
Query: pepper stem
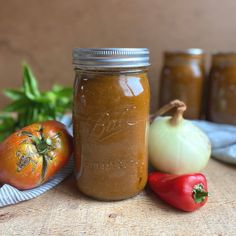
(199, 194)
(178, 115)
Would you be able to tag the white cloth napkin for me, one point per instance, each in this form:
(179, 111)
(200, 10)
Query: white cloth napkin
(223, 140)
(222, 137)
(11, 195)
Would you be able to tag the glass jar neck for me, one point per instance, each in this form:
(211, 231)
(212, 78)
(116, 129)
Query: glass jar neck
(112, 70)
(224, 60)
(175, 59)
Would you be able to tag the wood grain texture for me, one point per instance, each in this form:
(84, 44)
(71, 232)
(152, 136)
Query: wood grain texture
(64, 211)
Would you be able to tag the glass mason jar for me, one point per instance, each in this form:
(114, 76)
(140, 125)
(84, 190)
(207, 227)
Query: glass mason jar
(222, 87)
(182, 77)
(111, 119)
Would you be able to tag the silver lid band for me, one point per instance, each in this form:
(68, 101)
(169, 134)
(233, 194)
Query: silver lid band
(110, 57)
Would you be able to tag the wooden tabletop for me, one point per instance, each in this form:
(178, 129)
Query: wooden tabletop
(64, 211)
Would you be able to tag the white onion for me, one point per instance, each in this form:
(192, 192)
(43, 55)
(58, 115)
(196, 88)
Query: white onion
(177, 146)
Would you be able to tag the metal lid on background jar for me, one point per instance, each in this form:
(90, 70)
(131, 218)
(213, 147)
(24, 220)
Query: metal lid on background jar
(110, 57)
(189, 51)
(179, 57)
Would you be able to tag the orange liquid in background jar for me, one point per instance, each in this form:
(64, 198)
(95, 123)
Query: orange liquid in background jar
(182, 77)
(111, 119)
(222, 89)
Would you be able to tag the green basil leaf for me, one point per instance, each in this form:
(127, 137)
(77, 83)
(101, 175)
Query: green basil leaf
(5, 115)
(14, 94)
(7, 125)
(64, 92)
(42, 99)
(57, 87)
(30, 105)
(48, 97)
(18, 105)
(30, 84)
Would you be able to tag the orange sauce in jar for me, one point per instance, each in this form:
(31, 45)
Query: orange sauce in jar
(222, 81)
(111, 118)
(182, 78)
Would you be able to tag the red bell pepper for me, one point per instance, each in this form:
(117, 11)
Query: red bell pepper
(186, 192)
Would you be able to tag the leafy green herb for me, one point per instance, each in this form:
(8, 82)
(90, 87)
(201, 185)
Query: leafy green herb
(30, 105)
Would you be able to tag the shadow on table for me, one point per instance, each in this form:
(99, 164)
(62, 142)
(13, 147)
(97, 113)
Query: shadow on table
(68, 187)
(160, 204)
(229, 165)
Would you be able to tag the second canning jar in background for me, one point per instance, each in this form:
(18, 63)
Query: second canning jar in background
(111, 118)
(222, 87)
(182, 77)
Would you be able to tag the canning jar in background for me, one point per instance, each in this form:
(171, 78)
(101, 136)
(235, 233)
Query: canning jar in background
(183, 77)
(222, 89)
(111, 119)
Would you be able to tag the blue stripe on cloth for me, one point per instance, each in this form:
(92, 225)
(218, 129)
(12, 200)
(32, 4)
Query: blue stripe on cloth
(11, 195)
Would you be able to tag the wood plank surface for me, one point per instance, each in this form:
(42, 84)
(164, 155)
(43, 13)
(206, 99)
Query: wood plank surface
(64, 211)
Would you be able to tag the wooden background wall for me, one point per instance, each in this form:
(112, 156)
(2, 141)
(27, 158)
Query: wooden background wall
(44, 33)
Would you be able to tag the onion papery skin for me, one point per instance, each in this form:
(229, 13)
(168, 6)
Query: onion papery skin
(177, 149)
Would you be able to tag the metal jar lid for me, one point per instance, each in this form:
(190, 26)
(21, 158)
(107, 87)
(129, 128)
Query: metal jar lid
(84, 58)
(189, 51)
